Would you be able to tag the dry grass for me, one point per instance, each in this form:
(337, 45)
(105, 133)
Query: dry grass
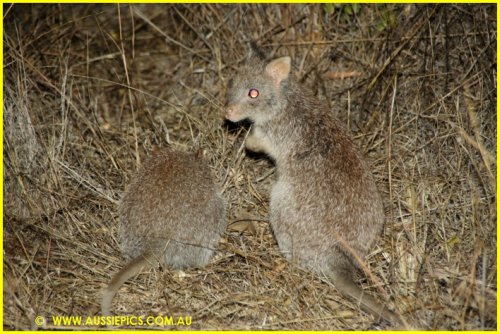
(89, 89)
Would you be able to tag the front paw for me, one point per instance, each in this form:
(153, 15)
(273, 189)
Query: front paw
(254, 144)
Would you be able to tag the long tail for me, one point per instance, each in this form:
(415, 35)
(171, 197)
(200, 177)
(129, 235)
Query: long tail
(344, 283)
(127, 272)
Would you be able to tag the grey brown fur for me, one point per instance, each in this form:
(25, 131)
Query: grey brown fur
(325, 209)
(172, 213)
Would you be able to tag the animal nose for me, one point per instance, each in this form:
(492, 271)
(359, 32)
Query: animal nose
(231, 111)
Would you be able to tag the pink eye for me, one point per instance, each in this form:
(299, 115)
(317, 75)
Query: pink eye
(253, 93)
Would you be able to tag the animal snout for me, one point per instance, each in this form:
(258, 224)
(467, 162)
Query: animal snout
(232, 111)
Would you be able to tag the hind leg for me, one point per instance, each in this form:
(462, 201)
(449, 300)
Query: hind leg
(278, 209)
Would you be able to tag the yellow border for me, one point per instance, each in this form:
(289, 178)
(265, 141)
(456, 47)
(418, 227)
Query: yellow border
(496, 151)
(253, 1)
(1, 170)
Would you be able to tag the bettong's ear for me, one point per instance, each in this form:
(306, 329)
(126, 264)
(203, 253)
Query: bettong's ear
(256, 52)
(279, 69)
